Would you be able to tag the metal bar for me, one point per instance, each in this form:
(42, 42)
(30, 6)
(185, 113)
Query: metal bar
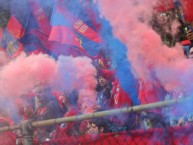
(27, 132)
(9, 128)
(137, 108)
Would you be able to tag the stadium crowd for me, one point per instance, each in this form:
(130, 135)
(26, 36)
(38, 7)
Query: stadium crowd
(42, 103)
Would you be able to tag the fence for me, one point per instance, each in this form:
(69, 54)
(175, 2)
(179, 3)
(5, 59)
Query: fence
(170, 136)
(162, 136)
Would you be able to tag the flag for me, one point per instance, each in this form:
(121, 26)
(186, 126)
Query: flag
(187, 6)
(74, 23)
(164, 5)
(61, 31)
(64, 35)
(40, 17)
(36, 41)
(90, 12)
(15, 28)
(1, 34)
(10, 37)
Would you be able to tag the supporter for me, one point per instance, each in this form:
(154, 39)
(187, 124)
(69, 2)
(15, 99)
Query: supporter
(103, 90)
(96, 126)
(117, 99)
(190, 32)
(61, 99)
(6, 137)
(46, 104)
(70, 128)
(46, 108)
(190, 54)
(166, 111)
(25, 106)
(178, 116)
(190, 37)
(150, 92)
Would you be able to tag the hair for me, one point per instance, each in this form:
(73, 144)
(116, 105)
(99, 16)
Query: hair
(100, 123)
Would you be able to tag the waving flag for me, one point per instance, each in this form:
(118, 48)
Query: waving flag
(15, 28)
(76, 24)
(10, 37)
(64, 20)
(61, 31)
(187, 6)
(164, 5)
(40, 16)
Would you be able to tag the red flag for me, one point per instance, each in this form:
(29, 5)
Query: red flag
(91, 14)
(185, 42)
(14, 32)
(54, 47)
(77, 24)
(1, 34)
(64, 35)
(164, 5)
(42, 37)
(187, 6)
(15, 28)
(40, 17)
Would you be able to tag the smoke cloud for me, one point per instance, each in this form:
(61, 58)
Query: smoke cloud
(148, 56)
(78, 74)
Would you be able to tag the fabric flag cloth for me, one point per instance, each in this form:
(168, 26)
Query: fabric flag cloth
(185, 42)
(187, 6)
(164, 5)
(1, 37)
(40, 16)
(11, 35)
(150, 92)
(62, 17)
(1, 34)
(15, 28)
(64, 35)
(35, 42)
(50, 47)
(61, 31)
(92, 15)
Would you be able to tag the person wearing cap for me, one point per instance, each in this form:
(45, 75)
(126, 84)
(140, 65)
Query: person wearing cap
(117, 99)
(105, 78)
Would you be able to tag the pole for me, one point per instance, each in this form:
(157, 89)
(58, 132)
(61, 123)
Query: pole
(27, 132)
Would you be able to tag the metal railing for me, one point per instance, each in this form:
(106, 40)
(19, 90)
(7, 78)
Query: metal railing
(28, 126)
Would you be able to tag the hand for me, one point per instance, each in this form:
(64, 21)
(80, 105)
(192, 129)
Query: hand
(190, 35)
(181, 121)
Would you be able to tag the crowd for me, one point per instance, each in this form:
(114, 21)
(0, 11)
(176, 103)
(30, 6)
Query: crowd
(43, 103)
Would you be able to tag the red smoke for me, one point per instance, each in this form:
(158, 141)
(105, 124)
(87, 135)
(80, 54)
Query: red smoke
(68, 73)
(149, 57)
(78, 73)
(23, 73)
